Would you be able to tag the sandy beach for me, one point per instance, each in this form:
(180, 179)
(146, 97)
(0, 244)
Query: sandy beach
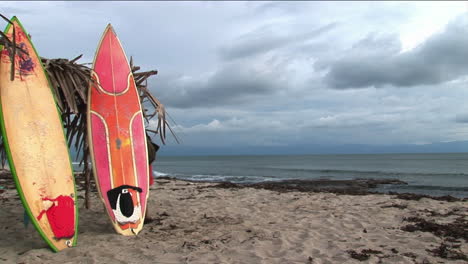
(202, 223)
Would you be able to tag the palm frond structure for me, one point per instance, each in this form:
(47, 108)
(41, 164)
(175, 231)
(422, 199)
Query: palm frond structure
(70, 81)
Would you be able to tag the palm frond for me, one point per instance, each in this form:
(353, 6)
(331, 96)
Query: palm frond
(156, 108)
(11, 48)
(70, 81)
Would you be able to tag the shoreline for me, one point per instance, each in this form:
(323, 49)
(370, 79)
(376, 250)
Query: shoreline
(194, 222)
(344, 187)
(360, 186)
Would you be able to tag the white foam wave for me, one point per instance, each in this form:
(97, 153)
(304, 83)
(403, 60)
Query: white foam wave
(228, 178)
(159, 174)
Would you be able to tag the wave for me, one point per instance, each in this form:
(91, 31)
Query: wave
(426, 189)
(219, 178)
(160, 174)
(229, 178)
(370, 172)
(412, 186)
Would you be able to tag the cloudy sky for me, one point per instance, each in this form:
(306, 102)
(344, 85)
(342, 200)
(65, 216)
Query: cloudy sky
(283, 73)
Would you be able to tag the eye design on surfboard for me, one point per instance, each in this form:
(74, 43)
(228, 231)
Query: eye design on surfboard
(125, 205)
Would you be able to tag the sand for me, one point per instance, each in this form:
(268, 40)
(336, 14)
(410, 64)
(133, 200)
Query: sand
(196, 223)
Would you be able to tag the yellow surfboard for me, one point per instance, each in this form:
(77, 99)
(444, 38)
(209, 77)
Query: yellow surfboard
(35, 144)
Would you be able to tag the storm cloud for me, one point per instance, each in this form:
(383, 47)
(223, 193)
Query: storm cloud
(266, 39)
(236, 83)
(377, 61)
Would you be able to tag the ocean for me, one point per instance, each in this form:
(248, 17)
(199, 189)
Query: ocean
(432, 174)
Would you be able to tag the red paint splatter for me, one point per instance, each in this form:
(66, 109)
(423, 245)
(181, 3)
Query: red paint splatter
(61, 216)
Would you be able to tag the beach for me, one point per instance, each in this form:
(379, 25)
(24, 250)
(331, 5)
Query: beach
(193, 222)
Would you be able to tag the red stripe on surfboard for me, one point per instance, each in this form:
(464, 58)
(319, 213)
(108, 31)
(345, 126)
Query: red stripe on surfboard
(101, 155)
(140, 152)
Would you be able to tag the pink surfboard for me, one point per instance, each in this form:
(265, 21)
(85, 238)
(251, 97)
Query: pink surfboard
(117, 137)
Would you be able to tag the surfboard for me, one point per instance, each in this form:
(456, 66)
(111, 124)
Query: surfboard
(117, 137)
(35, 144)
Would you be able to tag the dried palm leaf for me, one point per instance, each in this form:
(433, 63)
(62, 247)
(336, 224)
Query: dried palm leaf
(70, 81)
(158, 109)
(10, 46)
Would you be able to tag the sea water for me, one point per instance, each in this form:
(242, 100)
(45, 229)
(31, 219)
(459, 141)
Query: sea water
(432, 174)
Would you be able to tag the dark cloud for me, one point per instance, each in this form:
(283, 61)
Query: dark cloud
(463, 118)
(234, 84)
(259, 41)
(281, 7)
(266, 39)
(376, 61)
